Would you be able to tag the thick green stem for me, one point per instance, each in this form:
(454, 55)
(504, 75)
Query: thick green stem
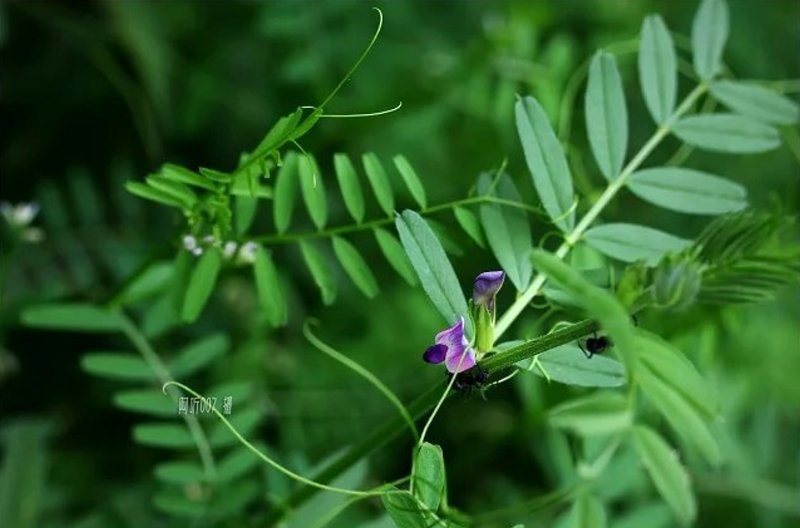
(589, 218)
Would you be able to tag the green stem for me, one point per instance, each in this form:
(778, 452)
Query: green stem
(140, 342)
(611, 191)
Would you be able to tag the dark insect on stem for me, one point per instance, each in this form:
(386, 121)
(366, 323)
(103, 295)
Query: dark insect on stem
(471, 379)
(595, 345)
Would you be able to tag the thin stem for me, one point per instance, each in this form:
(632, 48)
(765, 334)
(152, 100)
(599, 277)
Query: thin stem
(140, 342)
(611, 191)
(444, 397)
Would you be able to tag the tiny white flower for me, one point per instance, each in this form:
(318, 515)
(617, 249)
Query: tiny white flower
(19, 215)
(197, 251)
(230, 249)
(209, 239)
(189, 242)
(248, 252)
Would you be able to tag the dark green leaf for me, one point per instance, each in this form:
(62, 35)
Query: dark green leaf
(546, 162)
(348, 184)
(197, 355)
(404, 510)
(394, 253)
(379, 181)
(117, 365)
(688, 190)
(432, 266)
(165, 435)
(237, 463)
(469, 223)
(567, 364)
(72, 317)
(756, 102)
(429, 475)
(201, 284)
(606, 115)
(600, 414)
(355, 266)
(658, 72)
(148, 283)
(146, 401)
(24, 494)
(181, 473)
(413, 182)
(320, 271)
(666, 472)
(709, 33)
(215, 175)
(727, 133)
(285, 193)
(631, 242)
(508, 231)
(313, 190)
(269, 289)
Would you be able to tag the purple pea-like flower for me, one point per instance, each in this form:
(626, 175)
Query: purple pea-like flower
(452, 348)
(485, 287)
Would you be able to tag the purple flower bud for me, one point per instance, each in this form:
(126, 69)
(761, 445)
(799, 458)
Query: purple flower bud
(452, 348)
(486, 286)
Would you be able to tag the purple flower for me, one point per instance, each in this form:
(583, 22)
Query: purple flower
(486, 286)
(451, 346)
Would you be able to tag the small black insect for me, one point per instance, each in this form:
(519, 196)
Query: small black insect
(471, 379)
(595, 345)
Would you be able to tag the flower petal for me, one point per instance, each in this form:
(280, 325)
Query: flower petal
(454, 361)
(486, 286)
(453, 336)
(435, 354)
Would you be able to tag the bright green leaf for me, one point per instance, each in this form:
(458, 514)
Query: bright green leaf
(201, 284)
(117, 365)
(184, 175)
(727, 133)
(197, 355)
(348, 184)
(412, 181)
(181, 473)
(757, 102)
(606, 115)
(432, 266)
(177, 190)
(600, 414)
(285, 193)
(379, 181)
(546, 162)
(355, 266)
(142, 190)
(429, 475)
(666, 472)
(404, 510)
(508, 231)
(658, 72)
(567, 364)
(688, 190)
(320, 271)
(470, 224)
(587, 512)
(631, 242)
(146, 284)
(245, 208)
(313, 190)
(166, 435)
(146, 401)
(269, 289)
(394, 253)
(709, 33)
(244, 420)
(71, 317)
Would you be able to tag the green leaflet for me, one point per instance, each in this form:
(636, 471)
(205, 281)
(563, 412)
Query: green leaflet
(24, 497)
(237, 463)
(117, 365)
(244, 213)
(688, 190)
(631, 242)
(243, 420)
(600, 414)
(412, 180)
(404, 509)
(142, 190)
(395, 254)
(180, 473)
(606, 115)
(285, 193)
(348, 184)
(666, 472)
(71, 316)
(432, 266)
(507, 231)
(379, 181)
(184, 175)
(277, 135)
(147, 283)
(429, 475)
(727, 133)
(658, 73)
(313, 190)
(201, 284)
(146, 401)
(355, 266)
(680, 414)
(756, 102)
(269, 289)
(197, 355)
(567, 364)
(587, 512)
(164, 435)
(177, 190)
(546, 162)
(470, 224)
(320, 271)
(709, 33)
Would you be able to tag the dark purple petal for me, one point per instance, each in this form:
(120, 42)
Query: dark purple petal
(486, 286)
(435, 354)
(453, 336)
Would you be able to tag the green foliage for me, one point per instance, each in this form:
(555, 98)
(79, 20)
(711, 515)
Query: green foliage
(567, 364)
(657, 68)
(606, 115)
(688, 191)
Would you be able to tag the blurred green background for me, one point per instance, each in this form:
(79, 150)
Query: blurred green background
(97, 93)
